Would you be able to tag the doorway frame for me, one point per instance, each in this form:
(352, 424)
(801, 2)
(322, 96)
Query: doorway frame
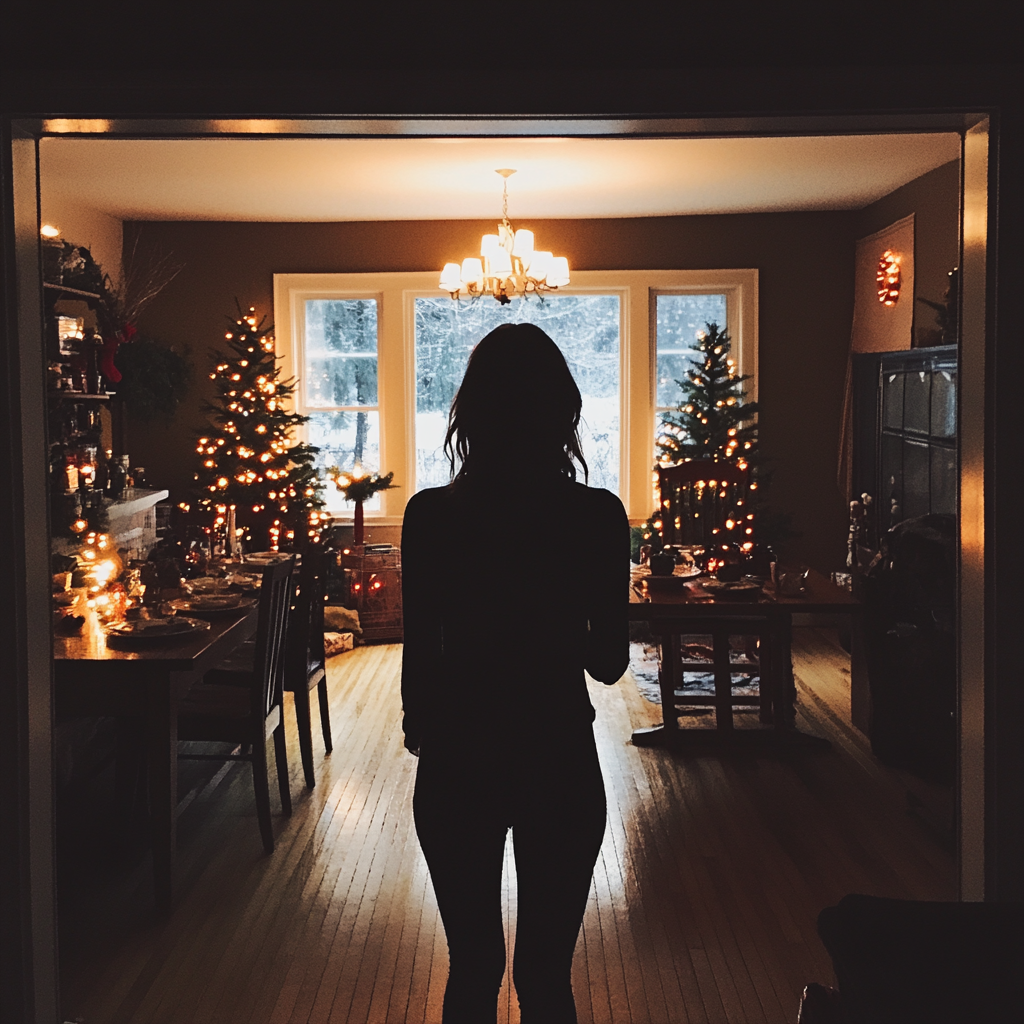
(989, 562)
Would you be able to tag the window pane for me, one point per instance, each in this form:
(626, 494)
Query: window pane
(346, 439)
(678, 319)
(585, 328)
(340, 352)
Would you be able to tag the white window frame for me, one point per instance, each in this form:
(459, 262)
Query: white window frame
(396, 357)
(292, 365)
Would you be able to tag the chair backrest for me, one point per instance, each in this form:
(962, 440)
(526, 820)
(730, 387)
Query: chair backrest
(271, 632)
(697, 500)
(306, 654)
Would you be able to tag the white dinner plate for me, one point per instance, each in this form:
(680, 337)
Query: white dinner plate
(156, 631)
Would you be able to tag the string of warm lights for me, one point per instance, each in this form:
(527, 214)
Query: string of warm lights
(889, 278)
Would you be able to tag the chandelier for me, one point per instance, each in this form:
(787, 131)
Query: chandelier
(508, 265)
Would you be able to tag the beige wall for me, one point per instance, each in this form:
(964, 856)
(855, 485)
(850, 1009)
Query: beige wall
(99, 232)
(805, 262)
(934, 200)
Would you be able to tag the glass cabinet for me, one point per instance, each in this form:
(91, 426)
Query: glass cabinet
(904, 435)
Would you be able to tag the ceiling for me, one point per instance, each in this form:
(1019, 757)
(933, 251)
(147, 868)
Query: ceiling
(451, 179)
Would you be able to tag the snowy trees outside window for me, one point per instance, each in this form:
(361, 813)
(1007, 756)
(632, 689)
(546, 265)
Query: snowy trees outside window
(680, 321)
(339, 375)
(585, 328)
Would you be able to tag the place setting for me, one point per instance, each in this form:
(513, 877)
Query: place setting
(156, 631)
(211, 605)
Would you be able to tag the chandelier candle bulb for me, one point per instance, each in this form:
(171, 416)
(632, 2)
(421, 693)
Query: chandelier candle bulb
(472, 272)
(558, 275)
(500, 263)
(523, 245)
(451, 277)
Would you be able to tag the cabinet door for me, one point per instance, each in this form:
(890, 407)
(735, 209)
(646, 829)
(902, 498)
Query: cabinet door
(943, 480)
(916, 478)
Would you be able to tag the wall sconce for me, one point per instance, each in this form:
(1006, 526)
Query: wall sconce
(888, 278)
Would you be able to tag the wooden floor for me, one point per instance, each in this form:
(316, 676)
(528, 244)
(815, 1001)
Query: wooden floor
(703, 904)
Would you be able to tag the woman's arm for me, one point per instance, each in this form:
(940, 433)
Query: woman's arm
(421, 657)
(608, 592)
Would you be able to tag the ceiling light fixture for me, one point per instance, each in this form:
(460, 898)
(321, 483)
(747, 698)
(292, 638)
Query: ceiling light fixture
(508, 266)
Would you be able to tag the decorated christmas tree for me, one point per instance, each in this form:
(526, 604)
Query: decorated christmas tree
(711, 422)
(253, 474)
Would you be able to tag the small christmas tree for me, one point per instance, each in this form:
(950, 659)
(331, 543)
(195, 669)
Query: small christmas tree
(712, 421)
(252, 471)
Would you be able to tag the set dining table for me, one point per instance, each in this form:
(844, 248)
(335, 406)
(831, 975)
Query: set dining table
(95, 673)
(693, 609)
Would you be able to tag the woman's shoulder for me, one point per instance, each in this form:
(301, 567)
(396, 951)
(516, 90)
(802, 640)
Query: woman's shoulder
(428, 501)
(597, 501)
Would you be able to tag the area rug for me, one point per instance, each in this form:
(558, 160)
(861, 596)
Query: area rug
(643, 667)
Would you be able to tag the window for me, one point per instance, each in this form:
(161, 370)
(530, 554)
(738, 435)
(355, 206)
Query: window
(585, 328)
(378, 358)
(679, 321)
(339, 368)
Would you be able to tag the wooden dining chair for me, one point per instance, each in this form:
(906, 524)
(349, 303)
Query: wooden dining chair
(241, 700)
(705, 503)
(305, 658)
(698, 500)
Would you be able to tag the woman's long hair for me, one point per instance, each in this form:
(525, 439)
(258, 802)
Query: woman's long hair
(517, 410)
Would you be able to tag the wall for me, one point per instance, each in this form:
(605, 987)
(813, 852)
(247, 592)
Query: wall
(934, 199)
(99, 232)
(804, 260)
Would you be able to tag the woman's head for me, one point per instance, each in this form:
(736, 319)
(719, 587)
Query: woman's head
(517, 404)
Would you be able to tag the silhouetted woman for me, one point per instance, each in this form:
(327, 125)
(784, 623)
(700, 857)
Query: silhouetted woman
(515, 581)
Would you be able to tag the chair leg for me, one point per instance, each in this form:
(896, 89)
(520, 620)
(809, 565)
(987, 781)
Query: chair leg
(261, 786)
(281, 755)
(304, 726)
(325, 715)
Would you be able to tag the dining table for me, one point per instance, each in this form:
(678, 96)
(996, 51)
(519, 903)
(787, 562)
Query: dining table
(95, 673)
(691, 608)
